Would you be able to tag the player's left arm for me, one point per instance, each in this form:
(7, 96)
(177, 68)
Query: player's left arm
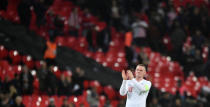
(141, 87)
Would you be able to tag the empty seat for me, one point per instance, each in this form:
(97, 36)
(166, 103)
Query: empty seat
(15, 57)
(3, 52)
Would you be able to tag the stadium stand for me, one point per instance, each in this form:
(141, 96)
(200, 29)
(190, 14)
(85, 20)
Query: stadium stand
(175, 77)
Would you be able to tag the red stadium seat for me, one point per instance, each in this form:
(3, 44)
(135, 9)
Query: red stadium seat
(99, 56)
(71, 42)
(14, 55)
(109, 91)
(37, 64)
(33, 25)
(96, 85)
(3, 52)
(28, 61)
(27, 100)
(44, 33)
(60, 41)
(44, 101)
(102, 101)
(86, 84)
(88, 54)
(114, 103)
(17, 69)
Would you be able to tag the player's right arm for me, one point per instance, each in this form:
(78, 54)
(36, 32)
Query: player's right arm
(123, 90)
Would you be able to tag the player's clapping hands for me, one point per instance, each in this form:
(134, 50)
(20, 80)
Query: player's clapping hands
(130, 75)
(127, 76)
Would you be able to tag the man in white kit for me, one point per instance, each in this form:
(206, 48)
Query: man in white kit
(137, 88)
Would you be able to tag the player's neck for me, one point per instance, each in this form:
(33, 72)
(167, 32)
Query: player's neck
(139, 79)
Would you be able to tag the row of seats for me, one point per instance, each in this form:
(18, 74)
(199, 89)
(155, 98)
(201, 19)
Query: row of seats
(164, 73)
(43, 101)
(167, 74)
(37, 100)
(194, 84)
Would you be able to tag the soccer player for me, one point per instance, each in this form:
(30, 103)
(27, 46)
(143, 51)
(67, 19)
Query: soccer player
(137, 88)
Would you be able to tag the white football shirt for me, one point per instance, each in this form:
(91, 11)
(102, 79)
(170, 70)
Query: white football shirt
(137, 92)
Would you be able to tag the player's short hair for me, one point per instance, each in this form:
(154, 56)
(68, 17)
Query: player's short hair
(143, 66)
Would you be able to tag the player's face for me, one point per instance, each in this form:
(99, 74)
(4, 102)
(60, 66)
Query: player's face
(140, 71)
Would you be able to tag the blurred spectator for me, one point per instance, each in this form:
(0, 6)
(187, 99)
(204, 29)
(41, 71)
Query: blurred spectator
(3, 5)
(128, 47)
(178, 37)
(51, 81)
(139, 32)
(93, 97)
(177, 103)
(206, 90)
(190, 102)
(91, 38)
(71, 104)
(74, 22)
(5, 85)
(18, 102)
(115, 15)
(65, 85)
(197, 63)
(128, 38)
(206, 66)
(125, 21)
(50, 20)
(86, 23)
(12, 92)
(121, 103)
(143, 58)
(202, 98)
(5, 100)
(59, 25)
(40, 10)
(145, 5)
(198, 57)
(171, 15)
(78, 80)
(17, 83)
(195, 19)
(51, 102)
(24, 12)
(188, 58)
(103, 39)
(65, 102)
(50, 52)
(103, 36)
(55, 24)
(198, 39)
(26, 81)
(154, 103)
(42, 74)
(165, 98)
(155, 35)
